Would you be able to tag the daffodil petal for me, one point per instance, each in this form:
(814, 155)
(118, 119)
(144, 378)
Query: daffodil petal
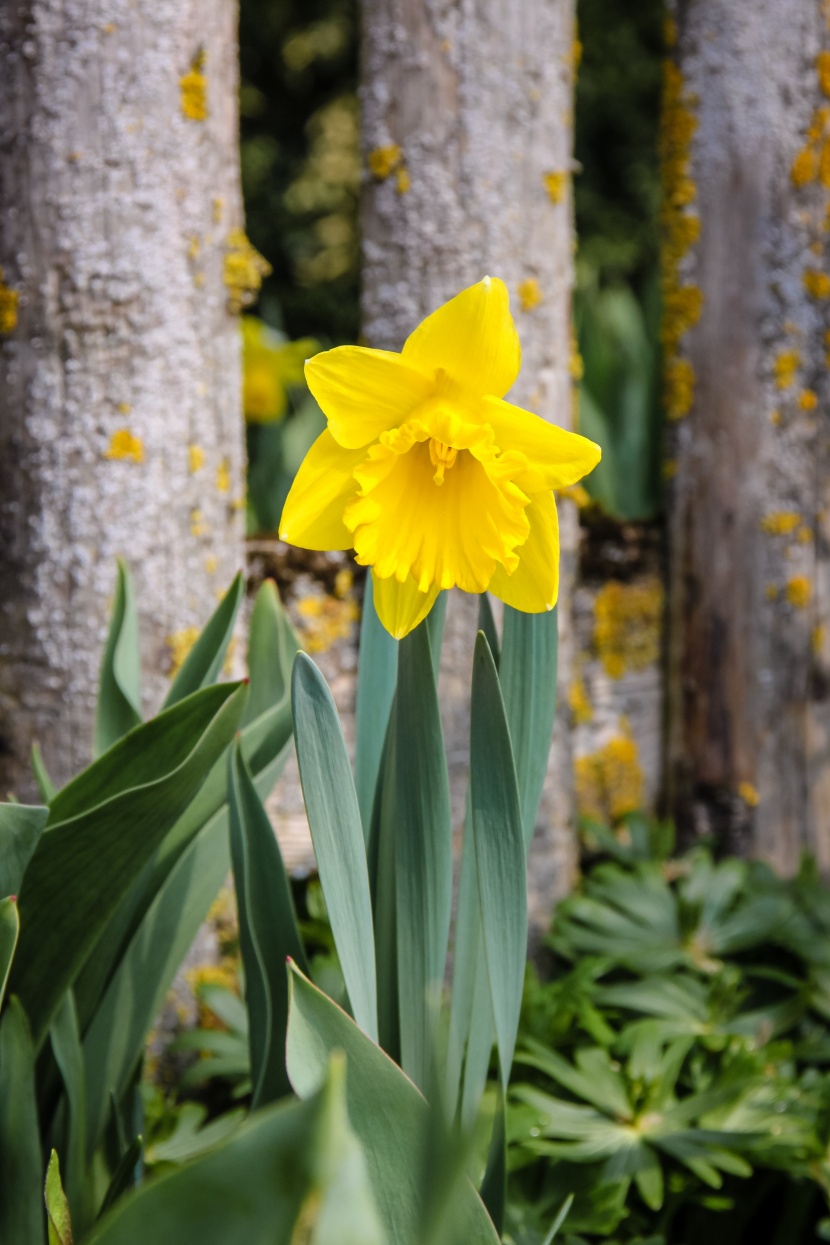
(556, 458)
(313, 513)
(401, 606)
(472, 337)
(534, 585)
(365, 392)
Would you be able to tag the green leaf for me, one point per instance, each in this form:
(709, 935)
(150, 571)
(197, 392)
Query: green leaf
(9, 933)
(21, 1169)
(57, 1207)
(116, 1035)
(123, 1176)
(188, 871)
(419, 805)
(376, 675)
(272, 645)
(267, 930)
(487, 624)
(494, 1184)
(561, 1216)
(386, 1111)
(21, 826)
(337, 834)
(66, 1047)
(499, 851)
(119, 694)
(204, 661)
(527, 671)
(103, 828)
(45, 786)
(434, 623)
(293, 1172)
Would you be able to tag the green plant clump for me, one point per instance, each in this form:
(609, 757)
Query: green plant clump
(673, 1072)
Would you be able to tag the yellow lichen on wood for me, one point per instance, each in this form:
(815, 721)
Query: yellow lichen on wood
(223, 477)
(193, 90)
(823, 68)
(326, 619)
(244, 271)
(125, 446)
(403, 181)
(682, 301)
(785, 367)
(798, 591)
(679, 382)
(627, 620)
(609, 782)
(579, 703)
(530, 293)
(817, 284)
(817, 639)
(9, 305)
(780, 522)
(197, 523)
(749, 794)
(211, 563)
(808, 400)
(180, 643)
(195, 458)
(383, 161)
(555, 184)
(771, 592)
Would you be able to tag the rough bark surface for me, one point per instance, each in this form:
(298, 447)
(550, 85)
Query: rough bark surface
(750, 522)
(120, 425)
(466, 111)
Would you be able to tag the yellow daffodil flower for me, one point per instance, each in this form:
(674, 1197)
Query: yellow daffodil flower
(426, 471)
(269, 366)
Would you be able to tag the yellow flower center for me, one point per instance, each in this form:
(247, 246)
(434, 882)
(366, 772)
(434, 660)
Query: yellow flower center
(404, 527)
(441, 456)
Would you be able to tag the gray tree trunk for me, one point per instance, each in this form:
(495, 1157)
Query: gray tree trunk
(123, 266)
(749, 671)
(467, 113)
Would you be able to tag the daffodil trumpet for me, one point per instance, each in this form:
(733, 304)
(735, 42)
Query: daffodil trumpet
(428, 474)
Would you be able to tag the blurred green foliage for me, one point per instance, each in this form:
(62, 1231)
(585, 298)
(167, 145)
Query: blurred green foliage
(300, 164)
(675, 1063)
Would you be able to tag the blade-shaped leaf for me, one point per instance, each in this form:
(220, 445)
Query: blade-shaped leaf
(293, 1172)
(66, 1046)
(527, 671)
(117, 1033)
(9, 933)
(89, 857)
(386, 1111)
(21, 825)
(499, 851)
(267, 929)
(45, 786)
(57, 1206)
(420, 807)
(376, 675)
(21, 1171)
(204, 661)
(272, 646)
(337, 834)
(119, 693)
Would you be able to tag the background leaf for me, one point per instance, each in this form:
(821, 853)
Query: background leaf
(22, 1216)
(119, 693)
